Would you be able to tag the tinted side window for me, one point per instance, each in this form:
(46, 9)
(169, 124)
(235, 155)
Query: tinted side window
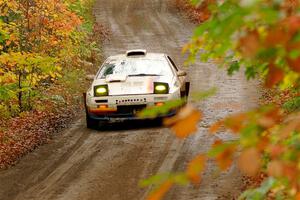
(173, 63)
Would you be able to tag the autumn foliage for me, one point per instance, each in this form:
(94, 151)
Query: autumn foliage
(46, 47)
(39, 39)
(263, 38)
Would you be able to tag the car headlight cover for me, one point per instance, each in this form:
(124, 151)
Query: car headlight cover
(101, 90)
(161, 88)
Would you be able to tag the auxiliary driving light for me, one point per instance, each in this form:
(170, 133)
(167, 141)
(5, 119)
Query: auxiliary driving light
(101, 90)
(161, 88)
(159, 104)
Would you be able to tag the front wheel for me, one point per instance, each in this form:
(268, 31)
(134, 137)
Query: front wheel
(91, 123)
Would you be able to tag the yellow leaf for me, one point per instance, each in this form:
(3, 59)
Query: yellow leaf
(185, 48)
(58, 68)
(52, 75)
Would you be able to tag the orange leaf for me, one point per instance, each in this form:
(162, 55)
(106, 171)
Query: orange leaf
(276, 150)
(294, 63)
(290, 171)
(263, 143)
(8, 42)
(277, 36)
(266, 122)
(298, 196)
(215, 127)
(275, 168)
(185, 122)
(275, 76)
(161, 191)
(271, 118)
(195, 167)
(293, 23)
(250, 44)
(249, 161)
(235, 123)
(225, 158)
(294, 124)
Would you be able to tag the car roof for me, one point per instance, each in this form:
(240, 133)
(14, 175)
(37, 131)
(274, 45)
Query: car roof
(137, 54)
(146, 56)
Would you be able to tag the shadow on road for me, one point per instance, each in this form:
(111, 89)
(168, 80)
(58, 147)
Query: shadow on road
(130, 125)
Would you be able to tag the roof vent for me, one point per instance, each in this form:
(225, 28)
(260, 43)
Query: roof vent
(137, 52)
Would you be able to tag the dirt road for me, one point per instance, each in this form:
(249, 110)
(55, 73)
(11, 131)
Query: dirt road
(107, 165)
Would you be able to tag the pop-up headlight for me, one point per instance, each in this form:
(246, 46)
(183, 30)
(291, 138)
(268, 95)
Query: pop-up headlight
(161, 88)
(101, 90)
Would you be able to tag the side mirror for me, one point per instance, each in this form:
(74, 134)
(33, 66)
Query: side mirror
(181, 73)
(90, 77)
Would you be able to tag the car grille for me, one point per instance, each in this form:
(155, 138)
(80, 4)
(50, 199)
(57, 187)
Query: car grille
(130, 110)
(131, 100)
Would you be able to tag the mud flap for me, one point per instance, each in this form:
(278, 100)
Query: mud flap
(187, 88)
(84, 101)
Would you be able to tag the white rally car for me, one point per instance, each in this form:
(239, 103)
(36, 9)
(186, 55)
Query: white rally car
(128, 83)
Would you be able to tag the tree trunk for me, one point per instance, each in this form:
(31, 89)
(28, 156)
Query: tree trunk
(20, 93)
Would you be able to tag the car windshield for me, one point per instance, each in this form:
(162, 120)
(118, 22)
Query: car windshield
(136, 67)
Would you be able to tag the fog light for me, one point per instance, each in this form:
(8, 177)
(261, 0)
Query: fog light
(103, 106)
(159, 104)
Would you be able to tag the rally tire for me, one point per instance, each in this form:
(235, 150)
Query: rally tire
(91, 123)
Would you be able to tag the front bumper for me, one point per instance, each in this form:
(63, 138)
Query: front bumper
(125, 117)
(113, 102)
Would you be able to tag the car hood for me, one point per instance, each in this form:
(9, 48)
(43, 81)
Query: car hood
(125, 85)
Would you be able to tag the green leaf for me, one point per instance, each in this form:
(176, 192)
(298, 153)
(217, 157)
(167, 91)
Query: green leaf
(234, 67)
(294, 54)
(250, 73)
(200, 96)
(259, 193)
(215, 151)
(155, 180)
(161, 110)
(292, 105)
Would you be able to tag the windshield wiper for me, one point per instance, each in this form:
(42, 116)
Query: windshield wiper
(144, 75)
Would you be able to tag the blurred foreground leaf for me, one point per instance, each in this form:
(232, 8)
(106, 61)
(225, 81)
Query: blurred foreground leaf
(185, 122)
(195, 167)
